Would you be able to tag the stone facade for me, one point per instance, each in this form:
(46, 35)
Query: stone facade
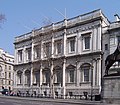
(63, 57)
(6, 70)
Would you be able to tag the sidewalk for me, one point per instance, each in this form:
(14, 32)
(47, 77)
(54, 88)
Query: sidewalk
(71, 101)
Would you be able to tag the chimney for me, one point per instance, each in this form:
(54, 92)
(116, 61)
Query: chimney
(117, 17)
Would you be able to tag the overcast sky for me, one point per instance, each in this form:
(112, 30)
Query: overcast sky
(25, 15)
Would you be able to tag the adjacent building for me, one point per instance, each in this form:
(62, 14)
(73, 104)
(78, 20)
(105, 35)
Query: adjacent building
(6, 70)
(63, 58)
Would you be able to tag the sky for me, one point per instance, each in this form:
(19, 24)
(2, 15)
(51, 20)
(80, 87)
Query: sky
(22, 16)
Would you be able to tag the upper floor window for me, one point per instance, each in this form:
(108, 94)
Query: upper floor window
(36, 52)
(47, 49)
(28, 53)
(9, 75)
(9, 67)
(58, 47)
(86, 41)
(71, 42)
(20, 55)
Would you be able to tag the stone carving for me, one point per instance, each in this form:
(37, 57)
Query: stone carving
(112, 58)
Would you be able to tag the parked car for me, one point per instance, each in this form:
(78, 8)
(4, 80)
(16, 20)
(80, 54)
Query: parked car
(5, 91)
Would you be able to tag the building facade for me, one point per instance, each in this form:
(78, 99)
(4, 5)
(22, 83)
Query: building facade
(6, 70)
(112, 33)
(62, 58)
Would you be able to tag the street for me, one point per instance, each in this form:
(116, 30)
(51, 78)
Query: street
(13, 101)
(6, 101)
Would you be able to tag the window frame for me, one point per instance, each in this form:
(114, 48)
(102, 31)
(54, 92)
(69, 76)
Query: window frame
(84, 41)
(71, 44)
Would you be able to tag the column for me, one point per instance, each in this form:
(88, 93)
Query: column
(52, 42)
(64, 43)
(77, 74)
(99, 74)
(41, 74)
(31, 76)
(52, 82)
(15, 79)
(64, 67)
(23, 78)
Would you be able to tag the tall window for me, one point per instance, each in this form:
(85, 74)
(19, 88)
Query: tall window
(47, 49)
(58, 76)
(9, 75)
(118, 38)
(46, 76)
(70, 74)
(20, 55)
(9, 67)
(86, 75)
(28, 53)
(71, 45)
(36, 52)
(58, 47)
(85, 72)
(86, 41)
(20, 78)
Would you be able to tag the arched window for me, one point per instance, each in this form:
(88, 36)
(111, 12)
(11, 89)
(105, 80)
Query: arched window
(46, 75)
(70, 71)
(57, 74)
(85, 72)
(19, 75)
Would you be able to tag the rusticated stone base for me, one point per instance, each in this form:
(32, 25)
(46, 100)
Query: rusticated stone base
(111, 89)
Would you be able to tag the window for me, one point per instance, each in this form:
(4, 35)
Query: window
(58, 47)
(70, 74)
(9, 67)
(85, 72)
(36, 52)
(106, 46)
(86, 41)
(20, 55)
(86, 75)
(58, 76)
(46, 77)
(36, 77)
(9, 83)
(9, 75)
(71, 42)
(47, 49)
(19, 77)
(5, 74)
(28, 53)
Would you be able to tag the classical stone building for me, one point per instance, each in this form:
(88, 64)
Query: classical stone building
(62, 58)
(6, 70)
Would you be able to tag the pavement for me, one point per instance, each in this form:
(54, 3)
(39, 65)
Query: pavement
(69, 101)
